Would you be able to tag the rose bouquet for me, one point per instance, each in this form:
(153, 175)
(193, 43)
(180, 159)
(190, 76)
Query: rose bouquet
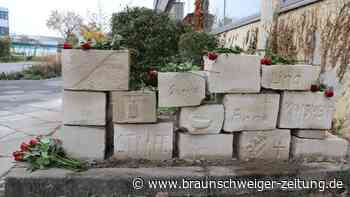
(43, 153)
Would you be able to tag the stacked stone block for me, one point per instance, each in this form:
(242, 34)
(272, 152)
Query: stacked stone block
(264, 112)
(88, 77)
(269, 109)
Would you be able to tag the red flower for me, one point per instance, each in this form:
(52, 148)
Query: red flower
(86, 46)
(24, 147)
(153, 73)
(67, 45)
(33, 142)
(266, 61)
(18, 155)
(315, 88)
(329, 92)
(212, 56)
(19, 158)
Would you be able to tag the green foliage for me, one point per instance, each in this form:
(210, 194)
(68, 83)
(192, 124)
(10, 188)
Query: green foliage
(152, 36)
(193, 45)
(5, 44)
(35, 72)
(235, 50)
(278, 59)
(46, 153)
(183, 67)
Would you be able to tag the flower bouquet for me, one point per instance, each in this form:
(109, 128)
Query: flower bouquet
(43, 153)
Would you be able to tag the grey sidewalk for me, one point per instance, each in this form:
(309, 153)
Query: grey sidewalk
(27, 109)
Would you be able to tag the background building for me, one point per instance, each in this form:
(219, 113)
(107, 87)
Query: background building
(4, 21)
(35, 45)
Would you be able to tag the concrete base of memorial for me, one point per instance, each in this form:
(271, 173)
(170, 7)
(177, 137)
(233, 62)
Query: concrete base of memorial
(109, 182)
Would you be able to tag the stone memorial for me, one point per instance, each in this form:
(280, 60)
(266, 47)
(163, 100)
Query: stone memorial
(231, 73)
(245, 112)
(331, 147)
(264, 145)
(97, 70)
(219, 146)
(84, 108)
(134, 107)
(180, 89)
(310, 134)
(143, 141)
(205, 119)
(306, 110)
(289, 77)
(83, 142)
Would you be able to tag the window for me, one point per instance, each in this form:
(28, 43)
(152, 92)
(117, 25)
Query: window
(4, 31)
(228, 11)
(234, 9)
(290, 2)
(3, 15)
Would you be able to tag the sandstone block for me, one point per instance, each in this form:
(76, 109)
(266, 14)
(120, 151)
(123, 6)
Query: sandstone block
(245, 112)
(143, 141)
(316, 149)
(83, 142)
(231, 73)
(180, 89)
(219, 146)
(84, 108)
(134, 107)
(264, 145)
(306, 110)
(98, 70)
(205, 119)
(289, 77)
(310, 134)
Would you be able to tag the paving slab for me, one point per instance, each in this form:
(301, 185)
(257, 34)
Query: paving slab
(6, 164)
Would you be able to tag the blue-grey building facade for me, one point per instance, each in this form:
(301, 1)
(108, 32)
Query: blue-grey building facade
(4, 22)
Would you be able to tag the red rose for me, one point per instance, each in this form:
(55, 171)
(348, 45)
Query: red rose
(18, 155)
(315, 88)
(212, 56)
(19, 158)
(67, 45)
(24, 147)
(33, 142)
(266, 61)
(329, 92)
(86, 46)
(153, 73)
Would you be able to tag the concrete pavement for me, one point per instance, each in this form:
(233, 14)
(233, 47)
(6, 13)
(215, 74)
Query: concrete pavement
(27, 108)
